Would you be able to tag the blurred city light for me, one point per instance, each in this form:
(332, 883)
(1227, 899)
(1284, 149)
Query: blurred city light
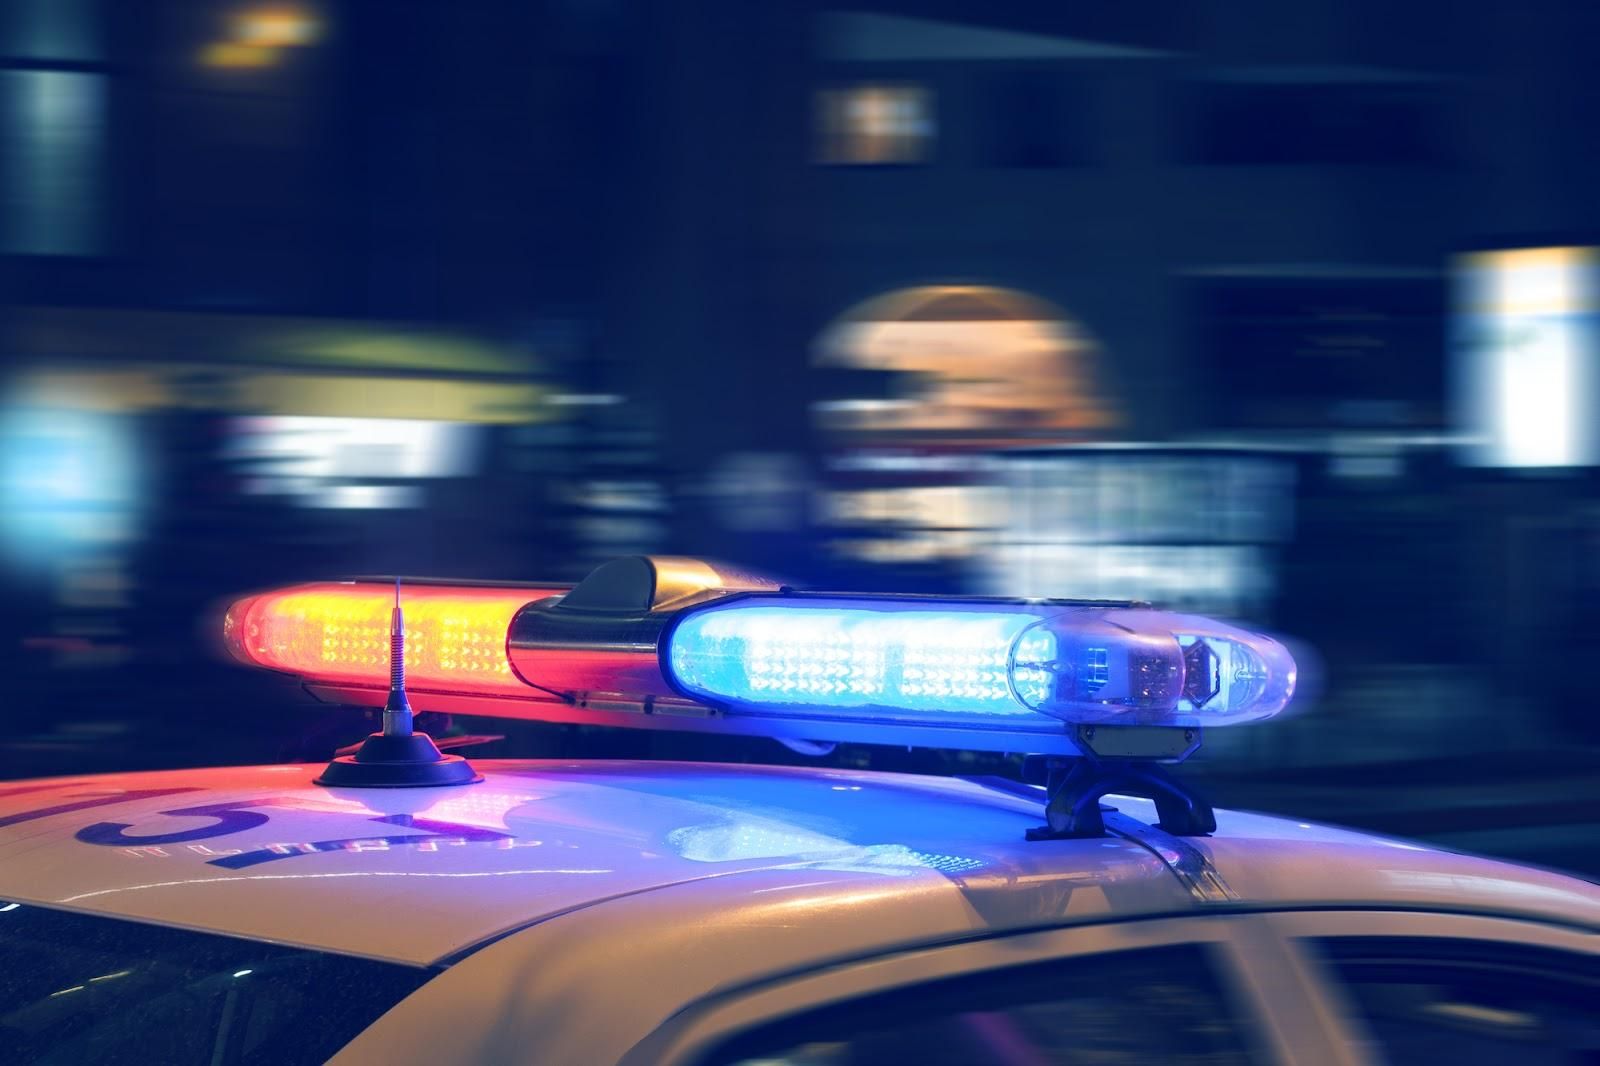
(277, 26)
(336, 462)
(875, 124)
(236, 55)
(964, 358)
(1527, 342)
(71, 482)
(1194, 529)
(258, 35)
(52, 188)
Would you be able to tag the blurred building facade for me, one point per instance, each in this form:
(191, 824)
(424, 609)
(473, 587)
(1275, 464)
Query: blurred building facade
(858, 295)
(1247, 217)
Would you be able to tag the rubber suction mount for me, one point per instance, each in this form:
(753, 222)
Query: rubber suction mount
(412, 761)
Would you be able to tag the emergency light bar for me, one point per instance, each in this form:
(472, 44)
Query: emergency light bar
(681, 644)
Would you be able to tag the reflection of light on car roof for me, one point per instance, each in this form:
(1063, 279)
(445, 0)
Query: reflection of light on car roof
(443, 874)
(481, 807)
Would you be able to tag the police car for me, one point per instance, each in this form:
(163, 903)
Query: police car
(405, 906)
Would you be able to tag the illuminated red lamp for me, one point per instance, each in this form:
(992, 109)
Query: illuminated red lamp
(338, 632)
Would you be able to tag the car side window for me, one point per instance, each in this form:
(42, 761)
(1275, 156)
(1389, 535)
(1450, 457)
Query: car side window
(1466, 1002)
(1150, 1005)
(80, 988)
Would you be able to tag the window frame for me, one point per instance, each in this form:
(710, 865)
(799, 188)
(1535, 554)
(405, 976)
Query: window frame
(1300, 930)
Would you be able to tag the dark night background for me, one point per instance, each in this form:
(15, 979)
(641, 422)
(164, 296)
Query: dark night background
(1280, 312)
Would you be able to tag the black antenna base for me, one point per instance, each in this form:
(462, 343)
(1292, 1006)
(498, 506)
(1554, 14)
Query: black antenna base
(411, 760)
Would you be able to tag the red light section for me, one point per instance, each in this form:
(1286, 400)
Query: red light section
(339, 632)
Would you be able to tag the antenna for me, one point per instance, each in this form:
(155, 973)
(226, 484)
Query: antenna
(397, 712)
(398, 756)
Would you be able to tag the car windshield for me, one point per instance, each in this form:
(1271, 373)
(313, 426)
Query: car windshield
(78, 988)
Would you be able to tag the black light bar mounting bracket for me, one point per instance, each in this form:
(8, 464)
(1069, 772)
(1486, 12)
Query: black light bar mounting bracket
(1124, 764)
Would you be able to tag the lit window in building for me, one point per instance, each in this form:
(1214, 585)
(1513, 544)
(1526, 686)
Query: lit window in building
(875, 124)
(1525, 349)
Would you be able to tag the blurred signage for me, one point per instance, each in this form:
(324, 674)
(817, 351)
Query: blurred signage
(356, 447)
(46, 334)
(271, 365)
(1189, 529)
(1524, 335)
(267, 392)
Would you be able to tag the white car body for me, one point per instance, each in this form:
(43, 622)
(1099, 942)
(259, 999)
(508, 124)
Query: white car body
(635, 912)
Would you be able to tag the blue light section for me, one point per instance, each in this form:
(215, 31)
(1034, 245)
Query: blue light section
(894, 661)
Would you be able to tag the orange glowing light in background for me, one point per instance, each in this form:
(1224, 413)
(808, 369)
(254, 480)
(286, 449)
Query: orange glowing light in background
(257, 36)
(339, 632)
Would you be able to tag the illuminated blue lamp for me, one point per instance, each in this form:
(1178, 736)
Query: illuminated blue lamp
(976, 665)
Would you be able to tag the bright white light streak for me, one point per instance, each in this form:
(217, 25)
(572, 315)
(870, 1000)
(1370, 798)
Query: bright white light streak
(1535, 393)
(1527, 337)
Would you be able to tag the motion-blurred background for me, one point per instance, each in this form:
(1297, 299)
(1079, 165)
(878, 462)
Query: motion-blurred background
(1277, 311)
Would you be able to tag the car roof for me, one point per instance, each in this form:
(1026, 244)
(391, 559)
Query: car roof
(424, 876)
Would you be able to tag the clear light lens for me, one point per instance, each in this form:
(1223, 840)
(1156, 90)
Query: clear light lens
(852, 659)
(1149, 668)
(339, 632)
